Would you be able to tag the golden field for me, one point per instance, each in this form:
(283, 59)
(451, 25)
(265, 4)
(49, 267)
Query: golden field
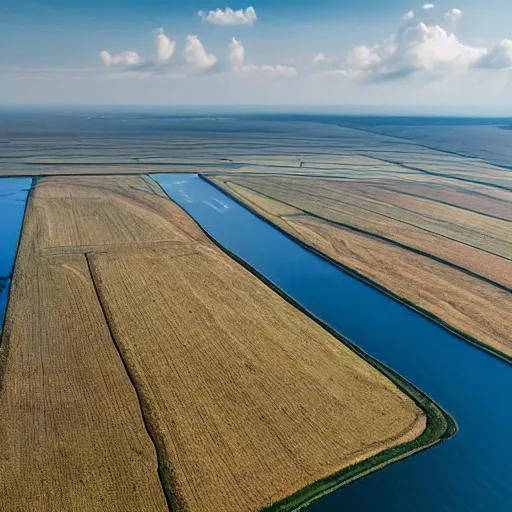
(72, 435)
(453, 263)
(133, 344)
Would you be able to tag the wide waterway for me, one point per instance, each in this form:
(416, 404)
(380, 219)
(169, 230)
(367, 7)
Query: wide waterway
(470, 472)
(13, 196)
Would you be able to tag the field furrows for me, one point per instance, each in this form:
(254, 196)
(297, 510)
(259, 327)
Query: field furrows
(250, 400)
(72, 436)
(435, 273)
(327, 197)
(463, 255)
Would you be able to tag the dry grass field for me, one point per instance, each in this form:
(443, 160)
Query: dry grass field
(72, 435)
(129, 333)
(452, 262)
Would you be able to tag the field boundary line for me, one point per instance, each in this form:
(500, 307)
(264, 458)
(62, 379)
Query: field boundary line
(147, 424)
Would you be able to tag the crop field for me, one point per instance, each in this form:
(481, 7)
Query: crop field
(102, 145)
(142, 366)
(72, 435)
(440, 245)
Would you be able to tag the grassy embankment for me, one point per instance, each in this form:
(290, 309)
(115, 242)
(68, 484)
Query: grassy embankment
(226, 371)
(456, 272)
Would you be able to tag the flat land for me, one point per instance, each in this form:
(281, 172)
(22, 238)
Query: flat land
(441, 246)
(72, 436)
(133, 342)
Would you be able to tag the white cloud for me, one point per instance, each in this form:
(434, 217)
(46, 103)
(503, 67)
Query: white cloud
(279, 70)
(319, 57)
(453, 17)
(123, 59)
(132, 61)
(427, 7)
(236, 56)
(363, 57)
(414, 48)
(196, 55)
(164, 47)
(230, 16)
(408, 15)
(498, 57)
(236, 61)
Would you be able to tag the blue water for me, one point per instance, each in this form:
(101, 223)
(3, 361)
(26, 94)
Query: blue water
(13, 196)
(470, 472)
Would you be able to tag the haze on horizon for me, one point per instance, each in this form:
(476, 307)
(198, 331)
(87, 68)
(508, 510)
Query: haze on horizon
(367, 53)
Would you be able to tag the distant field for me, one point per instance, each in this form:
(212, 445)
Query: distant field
(138, 144)
(129, 332)
(440, 245)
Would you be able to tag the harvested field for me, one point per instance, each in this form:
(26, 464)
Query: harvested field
(446, 263)
(329, 198)
(247, 399)
(240, 381)
(486, 201)
(72, 435)
(341, 203)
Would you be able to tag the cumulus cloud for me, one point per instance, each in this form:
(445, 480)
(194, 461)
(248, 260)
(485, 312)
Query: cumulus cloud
(279, 70)
(123, 59)
(230, 16)
(417, 47)
(453, 17)
(319, 57)
(132, 61)
(409, 15)
(196, 56)
(164, 47)
(236, 63)
(363, 57)
(427, 7)
(236, 55)
(498, 57)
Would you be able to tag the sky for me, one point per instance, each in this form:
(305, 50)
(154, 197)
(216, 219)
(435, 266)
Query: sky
(449, 53)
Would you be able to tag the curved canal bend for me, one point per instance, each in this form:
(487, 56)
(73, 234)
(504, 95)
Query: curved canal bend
(471, 471)
(13, 198)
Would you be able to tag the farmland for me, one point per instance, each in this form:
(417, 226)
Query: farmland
(144, 368)
(167, 371)
(454, 254)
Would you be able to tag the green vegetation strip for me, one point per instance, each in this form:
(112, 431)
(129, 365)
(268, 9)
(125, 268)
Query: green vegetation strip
(440, 425)
(460, 334)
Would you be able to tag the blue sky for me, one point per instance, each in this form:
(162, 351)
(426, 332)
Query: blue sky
(340, 52)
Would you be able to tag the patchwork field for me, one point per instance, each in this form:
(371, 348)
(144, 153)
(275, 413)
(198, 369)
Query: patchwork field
(140, 363)
(137, 144)
(441, 246)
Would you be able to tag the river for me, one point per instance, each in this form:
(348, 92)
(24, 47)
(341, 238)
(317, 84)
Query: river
(470, 472)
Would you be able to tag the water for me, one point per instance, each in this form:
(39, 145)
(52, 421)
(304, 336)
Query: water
(13, 196)
(471, 471)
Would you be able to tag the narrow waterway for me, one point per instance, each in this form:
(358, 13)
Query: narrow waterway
(13, 196)
(470, 472)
